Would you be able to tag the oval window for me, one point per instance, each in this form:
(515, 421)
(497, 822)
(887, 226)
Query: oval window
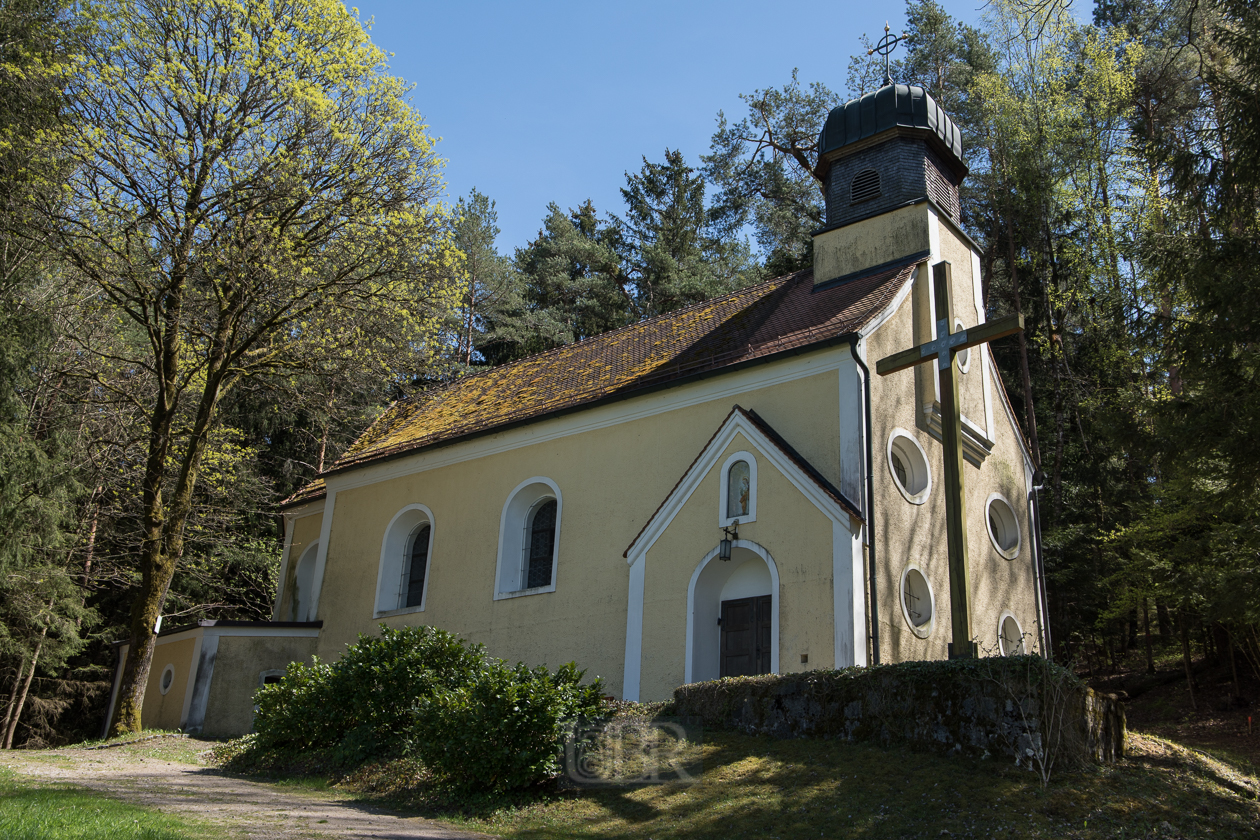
(916, 602)
(908, 464)
(1003, 527)
(1010, 636)
(167, 680)
(964, 355)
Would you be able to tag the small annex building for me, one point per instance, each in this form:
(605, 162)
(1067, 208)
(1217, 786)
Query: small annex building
(572, 506)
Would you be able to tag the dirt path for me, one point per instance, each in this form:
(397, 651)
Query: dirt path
(161, 775)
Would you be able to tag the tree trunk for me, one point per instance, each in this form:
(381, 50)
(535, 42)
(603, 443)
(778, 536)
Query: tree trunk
(1150, 652)
(1165, 621)
(26, 687)
(13, 696)
(164, 528)
(1185, 655)
(1233, 667)
(1025, 376)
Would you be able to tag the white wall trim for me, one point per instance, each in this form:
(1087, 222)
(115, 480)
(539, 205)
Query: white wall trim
(890, 310)
(198, 643)
(394, 557)
(511, 534)
(848, 597)
(199, 691)
(321, 559)
(689, 666)
(724, 489)
(632, 673)
(720, 386)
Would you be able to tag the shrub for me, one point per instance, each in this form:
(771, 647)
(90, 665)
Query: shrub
(362, 705)
(502, 729)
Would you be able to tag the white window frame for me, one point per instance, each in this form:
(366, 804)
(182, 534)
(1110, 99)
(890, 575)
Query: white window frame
(395, 556)
(1008, 553)
(514, 522)
(922, 630)
(963, 367)
(725, 489)
(1002, 620)
(913, 498)
(163, 686)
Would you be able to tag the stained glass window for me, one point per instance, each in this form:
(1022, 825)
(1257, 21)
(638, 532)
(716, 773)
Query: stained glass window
(417, 568)
(542, 545)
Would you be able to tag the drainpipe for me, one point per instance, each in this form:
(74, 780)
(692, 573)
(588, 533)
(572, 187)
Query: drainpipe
(1039, 567)
(870, 499)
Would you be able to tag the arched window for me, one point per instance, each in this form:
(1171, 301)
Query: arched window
(737, 500)
(406, 552)
(417, 565)
(541, 544)
(529, 539)
(738, 489)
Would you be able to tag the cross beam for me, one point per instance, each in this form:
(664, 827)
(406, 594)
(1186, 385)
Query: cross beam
(943, 350)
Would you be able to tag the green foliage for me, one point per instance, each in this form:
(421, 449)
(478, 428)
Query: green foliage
(668, 247)
(474, 721)
(362, 705)
(501, 730)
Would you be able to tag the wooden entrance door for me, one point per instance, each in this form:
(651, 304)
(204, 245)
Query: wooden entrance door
(746, 636)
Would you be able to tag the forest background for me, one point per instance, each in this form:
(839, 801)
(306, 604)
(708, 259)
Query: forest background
(170, 368)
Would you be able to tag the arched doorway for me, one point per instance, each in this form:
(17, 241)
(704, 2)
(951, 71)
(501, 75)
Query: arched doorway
(744, 593)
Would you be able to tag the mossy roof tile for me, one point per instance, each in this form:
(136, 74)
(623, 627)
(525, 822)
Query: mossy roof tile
(786, 313)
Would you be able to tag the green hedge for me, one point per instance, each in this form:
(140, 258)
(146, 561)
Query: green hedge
(502, 729)
(474, 721)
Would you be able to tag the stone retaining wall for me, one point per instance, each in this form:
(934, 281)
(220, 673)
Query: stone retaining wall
(1020, 707)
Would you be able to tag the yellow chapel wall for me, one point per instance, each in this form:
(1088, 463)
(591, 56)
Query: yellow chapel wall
(611, 480)
(909, 533)
(792, 530)
(165, 711)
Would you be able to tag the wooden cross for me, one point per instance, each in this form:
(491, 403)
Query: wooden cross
(943, 349)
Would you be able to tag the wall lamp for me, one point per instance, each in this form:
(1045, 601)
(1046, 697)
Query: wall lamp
(731, 534)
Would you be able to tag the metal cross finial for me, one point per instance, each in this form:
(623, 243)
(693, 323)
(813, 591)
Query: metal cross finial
(885, 47)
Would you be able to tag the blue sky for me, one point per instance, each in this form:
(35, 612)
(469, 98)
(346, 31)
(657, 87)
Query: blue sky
(539, 102)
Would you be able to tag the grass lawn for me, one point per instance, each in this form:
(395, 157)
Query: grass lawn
(30, 811)
(762, 788)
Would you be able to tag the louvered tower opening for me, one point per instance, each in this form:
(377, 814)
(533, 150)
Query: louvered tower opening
(865, 186)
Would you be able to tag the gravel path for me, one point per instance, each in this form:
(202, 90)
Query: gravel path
(142, 775)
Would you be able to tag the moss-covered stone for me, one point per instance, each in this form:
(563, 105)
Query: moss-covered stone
(1023, 707)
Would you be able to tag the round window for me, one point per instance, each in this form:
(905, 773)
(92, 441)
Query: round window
(916, 601)
(1003, 526)
(1010, 636)
(908, 464)
(168, 679)
(964, 355)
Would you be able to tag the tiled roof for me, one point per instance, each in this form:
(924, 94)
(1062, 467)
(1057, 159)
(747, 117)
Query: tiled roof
(782, 314)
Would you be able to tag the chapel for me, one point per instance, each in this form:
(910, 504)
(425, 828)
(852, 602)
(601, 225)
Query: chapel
(727, 489)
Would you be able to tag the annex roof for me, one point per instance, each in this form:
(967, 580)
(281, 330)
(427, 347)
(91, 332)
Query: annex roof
(782, 315)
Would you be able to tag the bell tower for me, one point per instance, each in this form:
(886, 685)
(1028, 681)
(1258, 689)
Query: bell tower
(889, 162)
